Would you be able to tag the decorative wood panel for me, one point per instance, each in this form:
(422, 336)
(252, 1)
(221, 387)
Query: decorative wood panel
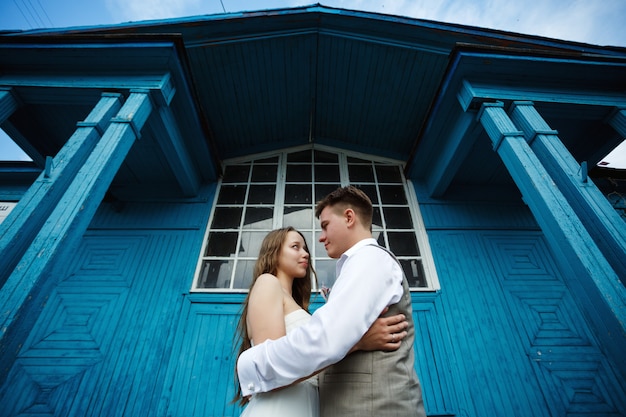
(519, 343)
(566, 358)
(102, 343)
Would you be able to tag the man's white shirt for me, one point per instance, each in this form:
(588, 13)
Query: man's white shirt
(368, 280)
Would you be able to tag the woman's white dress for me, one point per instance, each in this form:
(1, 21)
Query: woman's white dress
(299, 400)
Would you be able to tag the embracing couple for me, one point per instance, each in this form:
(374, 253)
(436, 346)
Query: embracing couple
(359, 363)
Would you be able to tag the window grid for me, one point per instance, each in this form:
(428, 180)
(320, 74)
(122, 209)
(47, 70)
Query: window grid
(298, 178)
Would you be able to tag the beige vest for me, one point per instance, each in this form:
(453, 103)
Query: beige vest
(375, 383)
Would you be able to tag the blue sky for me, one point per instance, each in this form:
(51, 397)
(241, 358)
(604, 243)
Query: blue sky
(590, 21)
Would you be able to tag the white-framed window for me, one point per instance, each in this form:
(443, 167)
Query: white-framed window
(263, 192)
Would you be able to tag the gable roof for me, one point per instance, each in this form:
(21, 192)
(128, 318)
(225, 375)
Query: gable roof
(277, 78)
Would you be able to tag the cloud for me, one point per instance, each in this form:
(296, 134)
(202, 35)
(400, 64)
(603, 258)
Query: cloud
(586, 21)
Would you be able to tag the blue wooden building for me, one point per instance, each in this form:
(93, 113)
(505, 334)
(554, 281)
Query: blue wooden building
(163, 151)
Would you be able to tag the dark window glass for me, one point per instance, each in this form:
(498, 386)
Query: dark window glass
(232, 194)
(236, 173)
(264, 173)
(414, 272)
(381, 240)
(262, 194)
(392, 194)
(215, 274)
(326, 157)
(361, 173)
(353, 160)
(302, 156)
(398, 218)
(270, 160)
(327, 173)
(226, 217)
(298, 193)
(387, 173)
(298, 173)
(322, 190)
(258, 218)
(370, 190)
(221, 244)
(403, 243)
(376, 218)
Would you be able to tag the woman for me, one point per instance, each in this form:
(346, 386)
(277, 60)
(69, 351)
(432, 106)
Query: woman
(278, 302)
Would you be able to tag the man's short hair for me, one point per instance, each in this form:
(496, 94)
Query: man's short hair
(351, 197)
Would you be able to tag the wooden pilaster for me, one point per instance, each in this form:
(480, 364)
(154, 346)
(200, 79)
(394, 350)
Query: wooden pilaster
(71, 215)
(27, 218)
(603, 223)
(588, 273)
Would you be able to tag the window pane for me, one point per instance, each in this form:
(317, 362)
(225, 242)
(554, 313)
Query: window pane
(377, 220)
(322, 190)
(215, 274)
(298, 194)
(321, 156)
(298, 173)
(269, 160)
(361, 173)
(353, 160)
(398, 217)
(226, 217)
(262, 194)
(298, 217)
(392, 194)
(370, 190)
(302, 156)
(258, 218)
(264, 173)
(380, 239)
(320, 251)
(232, 194)
(325, 269)
(251, 243)
(308, 239)
(388, 173)
(403, 243)
(326, 173)
(414, 272)
(243, 274)
(236, 173)
(221, 244)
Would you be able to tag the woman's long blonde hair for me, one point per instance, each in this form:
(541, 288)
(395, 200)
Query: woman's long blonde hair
(267, 262)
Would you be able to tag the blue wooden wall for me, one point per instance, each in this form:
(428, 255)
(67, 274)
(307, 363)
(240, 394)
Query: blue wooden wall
(120, 335)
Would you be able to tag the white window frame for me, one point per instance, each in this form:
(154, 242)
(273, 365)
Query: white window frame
(312, 233)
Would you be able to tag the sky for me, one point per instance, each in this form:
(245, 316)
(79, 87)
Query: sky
(589, 21)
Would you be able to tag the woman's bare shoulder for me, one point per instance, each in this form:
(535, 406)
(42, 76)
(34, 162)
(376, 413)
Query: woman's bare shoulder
(266, 283)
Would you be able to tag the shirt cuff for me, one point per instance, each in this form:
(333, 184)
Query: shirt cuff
(246, 370)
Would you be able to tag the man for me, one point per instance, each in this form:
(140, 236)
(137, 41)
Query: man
(369, 279)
